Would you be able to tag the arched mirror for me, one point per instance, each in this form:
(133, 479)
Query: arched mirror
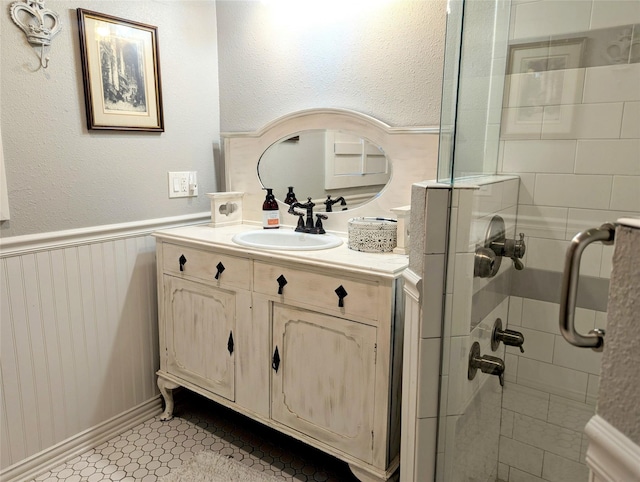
(410, 155)
(325, 165)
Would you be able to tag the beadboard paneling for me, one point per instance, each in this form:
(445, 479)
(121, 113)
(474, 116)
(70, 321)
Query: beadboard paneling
(78, 337)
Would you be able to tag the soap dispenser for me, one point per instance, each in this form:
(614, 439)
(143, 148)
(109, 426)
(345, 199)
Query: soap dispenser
(291, 197)
(270, 212)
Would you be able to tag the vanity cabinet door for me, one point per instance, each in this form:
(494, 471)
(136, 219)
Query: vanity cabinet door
(199, 334)
(323, 378)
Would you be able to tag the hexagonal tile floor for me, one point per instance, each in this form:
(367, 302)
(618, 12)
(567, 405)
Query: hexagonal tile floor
(153, 448)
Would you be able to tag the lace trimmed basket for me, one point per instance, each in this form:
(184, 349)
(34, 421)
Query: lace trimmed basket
(372, 235)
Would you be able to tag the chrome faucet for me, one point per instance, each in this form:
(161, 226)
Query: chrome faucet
(307, 226)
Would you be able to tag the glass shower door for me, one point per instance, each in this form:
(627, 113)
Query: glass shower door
(540, 126)
(570, 131)
(473, 369)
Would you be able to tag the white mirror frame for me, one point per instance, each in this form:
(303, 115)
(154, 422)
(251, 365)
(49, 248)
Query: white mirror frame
(413, 152)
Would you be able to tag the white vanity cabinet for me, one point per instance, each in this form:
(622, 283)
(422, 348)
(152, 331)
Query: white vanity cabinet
(199, 326)
(324, 378)
(202, 295)
(304, 344)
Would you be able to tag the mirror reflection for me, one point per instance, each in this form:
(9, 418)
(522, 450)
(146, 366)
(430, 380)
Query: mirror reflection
(337, 170)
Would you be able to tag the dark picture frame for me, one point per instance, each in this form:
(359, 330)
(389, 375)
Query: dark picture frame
(121, 73)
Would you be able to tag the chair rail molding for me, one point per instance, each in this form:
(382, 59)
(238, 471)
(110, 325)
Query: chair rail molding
(33, 243)
(611, 455)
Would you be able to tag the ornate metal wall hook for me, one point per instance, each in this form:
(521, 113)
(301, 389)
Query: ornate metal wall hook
(37, 22)
(44, 61)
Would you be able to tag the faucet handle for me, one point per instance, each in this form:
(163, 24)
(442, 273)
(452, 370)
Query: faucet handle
(508, 337)
(300, 226)
(485, 363)
(319, 229)
(518, 251)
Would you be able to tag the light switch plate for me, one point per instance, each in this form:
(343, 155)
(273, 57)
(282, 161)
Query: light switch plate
(183, 184)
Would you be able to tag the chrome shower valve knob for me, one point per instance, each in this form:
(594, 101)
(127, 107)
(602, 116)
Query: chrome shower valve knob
(496, 246)
(485, 363)
(508, 337)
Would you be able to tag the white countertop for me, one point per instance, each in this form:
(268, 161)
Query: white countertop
(385, 264)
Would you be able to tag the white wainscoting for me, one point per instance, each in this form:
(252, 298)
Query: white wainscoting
(79, 340)
(611, 456)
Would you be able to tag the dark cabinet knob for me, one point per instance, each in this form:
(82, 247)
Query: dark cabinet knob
(182, 260)
(230, 343)
(281, 282)
(275, 362)
(220, 268)
(341, 292)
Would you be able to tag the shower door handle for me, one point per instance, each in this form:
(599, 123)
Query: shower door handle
(569, 291)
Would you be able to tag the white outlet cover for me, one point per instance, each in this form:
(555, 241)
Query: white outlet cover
(178, 184)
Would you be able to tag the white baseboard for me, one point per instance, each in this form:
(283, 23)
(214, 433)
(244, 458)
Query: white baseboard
(611, 456)
(46, 460)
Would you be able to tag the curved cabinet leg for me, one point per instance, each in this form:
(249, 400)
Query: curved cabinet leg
(166, 388)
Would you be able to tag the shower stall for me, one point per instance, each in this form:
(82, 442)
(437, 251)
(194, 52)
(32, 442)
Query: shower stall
(540, 135)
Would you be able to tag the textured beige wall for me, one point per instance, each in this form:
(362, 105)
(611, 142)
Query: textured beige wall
(384, 60)
(619, 396)
(62, 176)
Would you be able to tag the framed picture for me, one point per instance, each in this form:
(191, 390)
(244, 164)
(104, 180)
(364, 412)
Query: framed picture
(542, 77)
(121, 73)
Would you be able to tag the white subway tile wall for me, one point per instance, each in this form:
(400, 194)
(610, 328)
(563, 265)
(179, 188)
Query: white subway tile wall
(572, 190)
(543, 221)
(572, 136)
(626, 193)
(609, 13)
(470, 403)
(577, 152)
(631, 120)
(521, 122)
(525, 401)
(517, 475)
(425, 444)
(560, 469)
(582, 121)
(612, 84)
(431, 326)
(539, 345)
(554, 383)
(622, 156)
(538, 19)
(511, 368)
(423, 329)
(429, 357)
(547, 436)
(520, 455)
(569, 356)
(541, 156)
(552, 378)
(568, 414)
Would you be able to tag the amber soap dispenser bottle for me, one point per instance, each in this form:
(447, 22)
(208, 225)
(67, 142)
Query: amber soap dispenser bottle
(270, 212)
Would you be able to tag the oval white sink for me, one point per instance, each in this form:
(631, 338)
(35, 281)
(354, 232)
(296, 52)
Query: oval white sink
(286, 240)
